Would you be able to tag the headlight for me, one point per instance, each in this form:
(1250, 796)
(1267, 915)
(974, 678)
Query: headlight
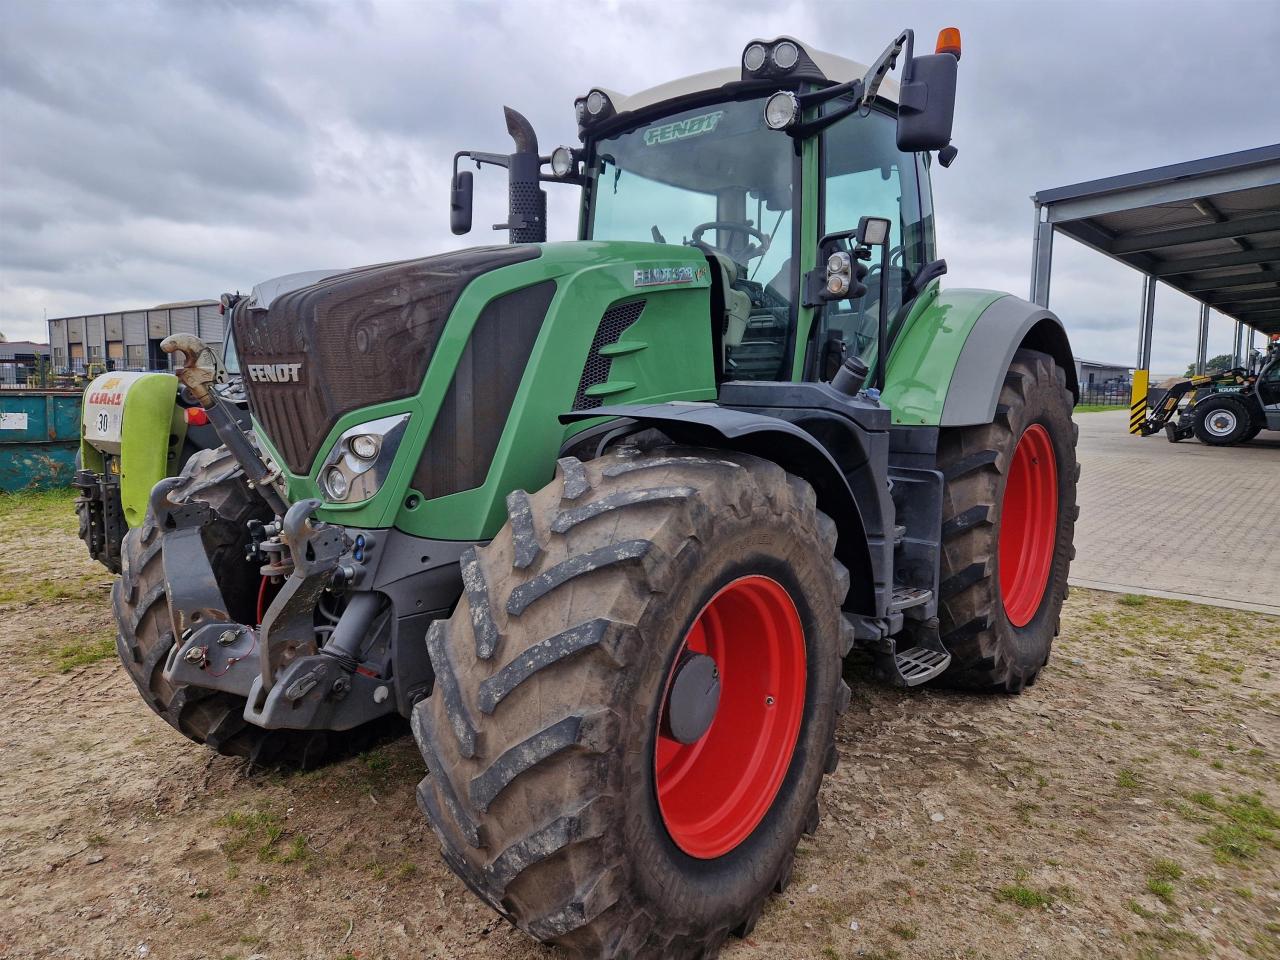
(335, 484)
(359, 462)
(596, 102)
(365, 445)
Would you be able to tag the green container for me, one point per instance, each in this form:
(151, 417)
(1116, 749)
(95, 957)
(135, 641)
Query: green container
(39, 437)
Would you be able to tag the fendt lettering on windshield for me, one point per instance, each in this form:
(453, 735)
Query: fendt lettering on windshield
(683, 129)
(275, 372)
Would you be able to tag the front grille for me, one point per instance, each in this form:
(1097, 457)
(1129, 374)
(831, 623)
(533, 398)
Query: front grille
(357, 339)
(595, 371)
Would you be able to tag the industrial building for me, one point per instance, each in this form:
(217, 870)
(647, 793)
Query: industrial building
(130, 339)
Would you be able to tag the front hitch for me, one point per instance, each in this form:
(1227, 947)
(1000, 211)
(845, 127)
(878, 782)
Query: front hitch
(199, 381)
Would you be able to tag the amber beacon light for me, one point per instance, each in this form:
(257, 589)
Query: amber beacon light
(948, 42)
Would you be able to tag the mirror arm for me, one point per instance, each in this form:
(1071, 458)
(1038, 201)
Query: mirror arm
(808, 128)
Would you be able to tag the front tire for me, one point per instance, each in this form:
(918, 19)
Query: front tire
(554, 776)
(1221, 421)
(145, 630)
(1009, 515)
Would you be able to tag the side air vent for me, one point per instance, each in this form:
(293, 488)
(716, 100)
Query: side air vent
(475, 410)
(595, 371)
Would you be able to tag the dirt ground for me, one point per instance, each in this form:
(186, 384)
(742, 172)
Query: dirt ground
(1124, 806)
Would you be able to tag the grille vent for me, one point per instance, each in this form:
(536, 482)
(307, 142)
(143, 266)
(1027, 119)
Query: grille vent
(595, 371)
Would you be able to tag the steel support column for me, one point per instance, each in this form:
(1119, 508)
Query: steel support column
(1041, 259)
(1202, 345)
(1239, 345)
(1147, 322)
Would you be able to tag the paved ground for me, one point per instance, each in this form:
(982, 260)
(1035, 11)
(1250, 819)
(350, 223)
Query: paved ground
(1181, 520)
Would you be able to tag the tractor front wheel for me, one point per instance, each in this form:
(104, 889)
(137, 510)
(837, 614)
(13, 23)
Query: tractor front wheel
(1009, 517)
(635, 701)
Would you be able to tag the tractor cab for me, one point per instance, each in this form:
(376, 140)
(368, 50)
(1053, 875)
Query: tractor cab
(768, 168)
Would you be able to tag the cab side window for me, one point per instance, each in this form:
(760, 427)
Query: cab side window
(864, 174)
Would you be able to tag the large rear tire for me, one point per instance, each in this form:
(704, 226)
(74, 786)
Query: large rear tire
(557, 782)
(145, 630)
(1009, 517)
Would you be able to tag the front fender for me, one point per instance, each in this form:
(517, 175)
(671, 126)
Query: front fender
(777, 440)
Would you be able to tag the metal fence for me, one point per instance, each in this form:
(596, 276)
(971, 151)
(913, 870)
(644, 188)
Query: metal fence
(1105, 394)
(25, 375)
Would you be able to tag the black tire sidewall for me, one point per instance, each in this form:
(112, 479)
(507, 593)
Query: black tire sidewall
(702, 893)
(1029, 644)
(1237, 408)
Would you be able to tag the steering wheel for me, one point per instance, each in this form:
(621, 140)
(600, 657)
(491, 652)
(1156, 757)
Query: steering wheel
(733, 226)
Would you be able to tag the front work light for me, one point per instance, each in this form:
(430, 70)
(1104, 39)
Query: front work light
(562, 162)
(781, 110)
(753, 57)
(360, 461)
(786, 55)
(596, 102)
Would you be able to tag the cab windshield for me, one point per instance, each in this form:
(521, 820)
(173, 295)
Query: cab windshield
(717, 177)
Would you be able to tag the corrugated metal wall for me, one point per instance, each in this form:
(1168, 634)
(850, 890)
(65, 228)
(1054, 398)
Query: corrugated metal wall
(135, 328)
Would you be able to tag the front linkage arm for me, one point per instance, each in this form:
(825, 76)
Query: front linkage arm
(198, 381)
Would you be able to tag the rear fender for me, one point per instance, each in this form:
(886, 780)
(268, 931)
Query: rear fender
(948, 363)
(770, 438)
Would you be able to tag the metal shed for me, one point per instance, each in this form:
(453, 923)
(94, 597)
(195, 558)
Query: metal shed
(1209, 228)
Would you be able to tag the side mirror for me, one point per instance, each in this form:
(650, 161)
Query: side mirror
(460, 203)
(926, 103)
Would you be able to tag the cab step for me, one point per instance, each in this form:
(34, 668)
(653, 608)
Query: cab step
(913, 666)
(904, 597)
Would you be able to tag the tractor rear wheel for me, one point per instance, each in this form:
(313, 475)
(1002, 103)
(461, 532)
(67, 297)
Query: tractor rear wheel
(145, 630)
(1221, 421)
(635, 701)
(1009, 517)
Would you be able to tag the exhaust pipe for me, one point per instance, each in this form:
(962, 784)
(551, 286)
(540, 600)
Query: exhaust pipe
(526, 200)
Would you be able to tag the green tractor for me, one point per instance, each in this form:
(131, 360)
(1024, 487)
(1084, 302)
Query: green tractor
(604, 518)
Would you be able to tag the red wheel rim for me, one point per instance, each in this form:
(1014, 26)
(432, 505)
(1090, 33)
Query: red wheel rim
(714, 792)
(1028, 525)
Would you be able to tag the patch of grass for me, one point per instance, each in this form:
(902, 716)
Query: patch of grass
(1250, 825)
(262, 832)
(1097, 407)
(904, 931)
(79, 652)
(42, 510)
(1131, 600)
(1023, 896)
(1142, 911)
(1161, 888)
(1126, 779)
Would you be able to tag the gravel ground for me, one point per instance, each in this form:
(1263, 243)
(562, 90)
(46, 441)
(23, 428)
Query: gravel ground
(1124, 806)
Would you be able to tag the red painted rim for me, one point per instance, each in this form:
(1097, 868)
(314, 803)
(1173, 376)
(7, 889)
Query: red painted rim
(714, 792)
(1028, 525)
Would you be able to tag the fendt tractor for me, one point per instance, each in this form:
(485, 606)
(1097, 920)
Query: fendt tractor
(604, 518)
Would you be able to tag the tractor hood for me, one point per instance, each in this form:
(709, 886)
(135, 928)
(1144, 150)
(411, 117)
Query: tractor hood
(314, 346)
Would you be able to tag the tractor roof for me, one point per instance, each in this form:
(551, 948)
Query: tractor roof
(834, 68)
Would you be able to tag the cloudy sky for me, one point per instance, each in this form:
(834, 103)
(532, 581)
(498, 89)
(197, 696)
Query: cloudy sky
(168, 151)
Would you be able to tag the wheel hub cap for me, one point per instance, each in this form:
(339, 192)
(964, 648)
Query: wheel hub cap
(731, 716)
(1222, 423)
(1028, 525)
(692, 699)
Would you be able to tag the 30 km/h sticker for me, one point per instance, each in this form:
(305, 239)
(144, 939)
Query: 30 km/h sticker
(104, 408)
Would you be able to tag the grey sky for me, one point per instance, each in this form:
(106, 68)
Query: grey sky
(153, 152)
